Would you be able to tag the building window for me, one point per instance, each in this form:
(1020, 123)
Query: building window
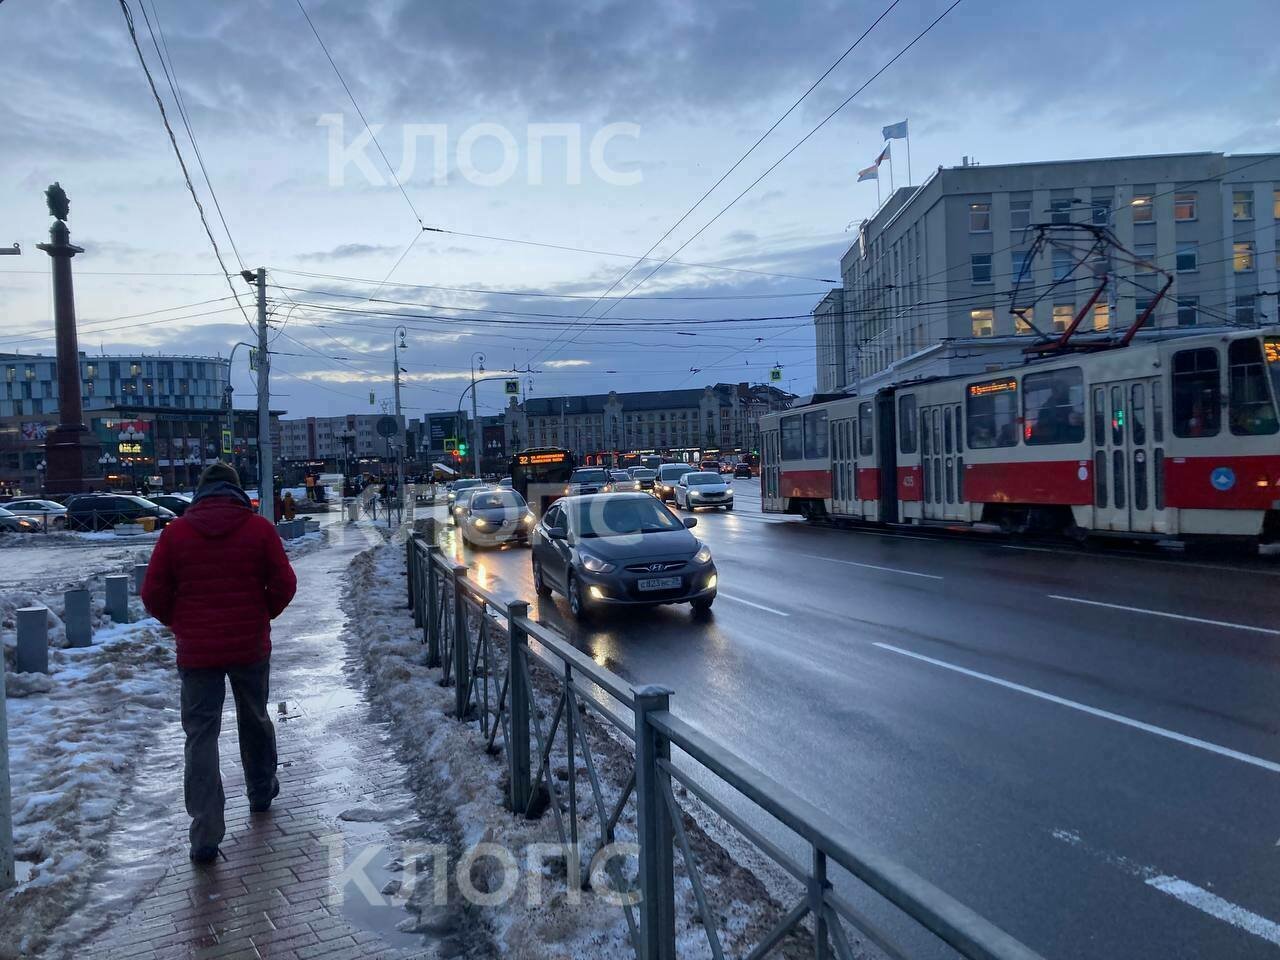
(135, 369)
(1101, 316)
(1063, 314)
(11, 374)
(1063, 264)
(1187, 259)
(982, 322)
(1020, 214)
(1244, 308)
(30, 372)
(90, 371)
(980, 267)
(980, 216)
(1060, 209)
(1144, 210)
(1242, 205)
(1184, 206)
(1146, 255)
(1142, 306)
(1023, 319)
(1242, 256)
(1020, 265)
(1101, 210)
(1187, 307)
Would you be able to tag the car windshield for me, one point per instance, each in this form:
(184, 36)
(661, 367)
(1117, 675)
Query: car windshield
(643, 474)
(466, 484)
(5, 513)
(674, 472)
(619, 475)
(588, 476)
(503, 499)
(621, 516)
(698, 479)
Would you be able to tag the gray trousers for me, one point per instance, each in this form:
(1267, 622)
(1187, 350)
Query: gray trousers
(203, 693)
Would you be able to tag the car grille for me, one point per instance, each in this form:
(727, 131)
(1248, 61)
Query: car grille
(658, 566)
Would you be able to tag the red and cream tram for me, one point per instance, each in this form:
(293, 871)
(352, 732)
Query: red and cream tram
(1173, 438)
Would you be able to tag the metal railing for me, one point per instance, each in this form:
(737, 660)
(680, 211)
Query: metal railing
(488, 649)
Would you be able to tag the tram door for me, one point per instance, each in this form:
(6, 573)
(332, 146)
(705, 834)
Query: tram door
(942, 460)
(844, 463)
(1128, 454)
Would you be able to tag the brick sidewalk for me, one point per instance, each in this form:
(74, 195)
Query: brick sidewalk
(270, 896)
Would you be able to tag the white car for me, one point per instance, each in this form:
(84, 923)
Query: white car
(702, 488)
(48, 512)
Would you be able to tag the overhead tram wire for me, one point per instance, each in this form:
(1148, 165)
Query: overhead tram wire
(186, 174)
(768, 170)
(737, 163)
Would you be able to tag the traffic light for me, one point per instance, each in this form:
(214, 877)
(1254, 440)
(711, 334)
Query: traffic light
(462, 448)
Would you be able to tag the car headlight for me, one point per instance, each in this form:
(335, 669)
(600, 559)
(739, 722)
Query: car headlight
(481, 523)
(703, 555)
(694, 495)
(527, 519)
(595, 564)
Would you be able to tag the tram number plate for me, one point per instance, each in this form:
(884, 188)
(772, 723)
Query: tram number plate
(659, 583)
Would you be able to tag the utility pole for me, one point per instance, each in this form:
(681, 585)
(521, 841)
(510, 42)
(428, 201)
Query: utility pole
(475, 422)
(266, 481)
(397, 341)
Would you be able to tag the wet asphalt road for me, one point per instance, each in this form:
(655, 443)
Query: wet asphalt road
(1100, 781)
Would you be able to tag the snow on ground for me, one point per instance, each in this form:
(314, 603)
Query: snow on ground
(453, 761)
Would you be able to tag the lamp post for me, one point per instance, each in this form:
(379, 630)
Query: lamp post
(41, 467)
(131, 435)
(106, 461)
(477, 359)
(398, 344)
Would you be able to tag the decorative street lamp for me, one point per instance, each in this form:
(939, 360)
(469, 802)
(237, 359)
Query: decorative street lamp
(131, 435)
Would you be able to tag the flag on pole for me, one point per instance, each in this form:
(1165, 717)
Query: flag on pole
(895, 131)
(884, 155)
(869, 173)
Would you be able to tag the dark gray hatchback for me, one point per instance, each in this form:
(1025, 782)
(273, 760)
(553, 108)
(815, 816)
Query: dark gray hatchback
(620, 549)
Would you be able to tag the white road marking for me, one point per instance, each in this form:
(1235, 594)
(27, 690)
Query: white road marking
(751, 603)
(1267, 765)
(1172, 616)
(1215, 906)
(872, 566)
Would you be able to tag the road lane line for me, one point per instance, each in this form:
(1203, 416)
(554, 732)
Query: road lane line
(1172, 616)
(751, 603)
(1215, 906)
(872, 566)
(1267, 765)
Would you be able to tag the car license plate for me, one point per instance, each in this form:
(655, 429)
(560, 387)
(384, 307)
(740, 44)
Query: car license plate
(659, 583)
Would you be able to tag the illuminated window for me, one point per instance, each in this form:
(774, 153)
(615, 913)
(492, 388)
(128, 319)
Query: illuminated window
(1053, 406)
(982, 322)
(1242, 256)
(1023, 319)
(1101, 316)
(135, 369)
(1063, 314)
(980, 217)
(90, 371)
(30, 372)
(1144, 210)
(1184, 206)
(1242, 205)
(1188, 257)
(991, 413)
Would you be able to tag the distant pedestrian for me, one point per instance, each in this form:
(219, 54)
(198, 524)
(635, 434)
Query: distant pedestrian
(289, 507)
(217, 578)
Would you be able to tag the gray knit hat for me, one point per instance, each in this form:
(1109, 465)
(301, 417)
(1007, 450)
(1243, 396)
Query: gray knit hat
(219, 472)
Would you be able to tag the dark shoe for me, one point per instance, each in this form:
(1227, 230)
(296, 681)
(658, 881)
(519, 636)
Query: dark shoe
(204, 855)
(262, 806)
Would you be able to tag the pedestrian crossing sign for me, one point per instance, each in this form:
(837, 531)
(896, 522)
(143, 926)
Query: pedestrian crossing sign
(226, 440)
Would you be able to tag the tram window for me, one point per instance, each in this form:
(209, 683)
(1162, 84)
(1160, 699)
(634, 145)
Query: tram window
(1053, 406)
(907, 440)
(792, 438)
(937, 432)
(937, 480)
(951, 482)
(1099, 416)
(1197, 400)
(1159, 478)
(865, 433)
(1252, 412)
(1157, 413)
(1117, 478)
(815, 435)
(1139, 480)
(1100, 478)
(925, 446)
(991, 413)
(946, 430)
(1117, 418)
(850, 435)
(1138, 414)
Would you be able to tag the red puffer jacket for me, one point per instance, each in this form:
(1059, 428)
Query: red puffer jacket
(218, 577)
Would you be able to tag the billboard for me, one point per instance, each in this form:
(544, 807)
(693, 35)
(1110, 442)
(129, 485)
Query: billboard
(440, 428)
(32, 430)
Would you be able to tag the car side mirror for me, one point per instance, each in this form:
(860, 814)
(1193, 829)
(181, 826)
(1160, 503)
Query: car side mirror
(558, 533)
(690, 521)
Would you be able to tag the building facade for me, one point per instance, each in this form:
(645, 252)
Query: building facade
(335, 443)
(939, 264)
(174, 405)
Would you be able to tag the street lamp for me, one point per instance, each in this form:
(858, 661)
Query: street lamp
(477, 359)
(131, 436)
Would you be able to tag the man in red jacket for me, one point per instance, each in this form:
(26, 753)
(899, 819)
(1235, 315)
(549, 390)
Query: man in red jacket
(218, 577)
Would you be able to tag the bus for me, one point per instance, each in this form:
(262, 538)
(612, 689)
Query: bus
(540, 475)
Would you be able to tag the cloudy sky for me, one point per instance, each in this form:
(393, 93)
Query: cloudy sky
(671, 92)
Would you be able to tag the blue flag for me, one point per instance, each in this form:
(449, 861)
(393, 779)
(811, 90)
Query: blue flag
(895, 131)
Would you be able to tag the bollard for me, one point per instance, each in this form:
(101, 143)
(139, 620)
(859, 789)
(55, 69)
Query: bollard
(7, 875)
(139, 577)
(518, 744)
(118, 597)
(76, 616)
(653, 831)
(353, 510)
(433, 605)
(33, 640)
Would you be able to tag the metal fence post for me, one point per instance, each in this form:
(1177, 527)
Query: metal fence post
(433, 605)
(76, 616)
(7, 875)
(461, 644)
(653, 830)
(33, 640)
(411, 575)
(118, 597)
(518, 709)
(139, 577)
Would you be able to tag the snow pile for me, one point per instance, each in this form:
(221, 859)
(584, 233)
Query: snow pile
(450, 759)
(76, 738)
